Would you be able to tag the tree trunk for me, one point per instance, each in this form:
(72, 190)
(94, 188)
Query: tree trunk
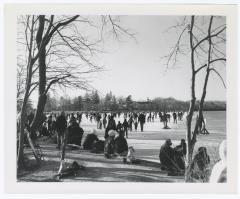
(32, 147)
(63, 145)
(190, 144)
(42, 97)
(20, 155)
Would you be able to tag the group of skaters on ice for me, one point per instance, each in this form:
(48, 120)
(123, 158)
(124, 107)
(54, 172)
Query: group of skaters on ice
(115, 143)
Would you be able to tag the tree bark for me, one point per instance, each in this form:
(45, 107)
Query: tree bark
(20, 155)
(191, 109)
(191, 136)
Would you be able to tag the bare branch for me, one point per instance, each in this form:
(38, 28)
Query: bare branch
(219, 75)
(212, 61)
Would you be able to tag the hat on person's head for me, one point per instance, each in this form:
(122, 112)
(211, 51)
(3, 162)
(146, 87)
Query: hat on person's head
(112, 133)
(169, 142)
(183, 140)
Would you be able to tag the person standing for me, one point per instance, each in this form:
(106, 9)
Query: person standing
(104, 121)
(135, 123)
(141, 120)
(130, 122)
(125, 127)
(61, 125)
(119, 127)
(110, 126)
(174, 117)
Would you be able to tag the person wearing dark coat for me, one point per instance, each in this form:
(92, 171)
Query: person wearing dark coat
(119, 127)
(110, 126)
(44, 131)
(130, 123)
(141, 119)
(125, 127)
(104, 122)
(180, 153)
(75, 133)
(166, 156)
(89, 140)
(49, 122)
(121, 146)
(109, 145)
(61, 125)
(200, 163)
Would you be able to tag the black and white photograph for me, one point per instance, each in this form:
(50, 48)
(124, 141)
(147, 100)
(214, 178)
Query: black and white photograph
(108, 98)
(123, 98)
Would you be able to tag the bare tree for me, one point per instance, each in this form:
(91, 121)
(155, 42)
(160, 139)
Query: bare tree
(64, 55)
(206, 36)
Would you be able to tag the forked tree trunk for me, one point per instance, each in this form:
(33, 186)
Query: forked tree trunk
(191, 136)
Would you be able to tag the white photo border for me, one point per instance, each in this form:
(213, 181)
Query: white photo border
(11, 184)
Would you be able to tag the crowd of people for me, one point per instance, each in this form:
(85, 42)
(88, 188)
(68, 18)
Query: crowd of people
(115, 143)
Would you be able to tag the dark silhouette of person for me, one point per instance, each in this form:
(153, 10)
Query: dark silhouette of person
(135, 123)
(61, 125)
(104, 121)
(109, 145)
(121, 146)
(199, 164)
(174, 117)
(125, 127)
(44, 131)
(75, 133)
(110, 126)
(119, 126)
(180, 151)
(89, 140)
(166, 156)
(130, 123)
(141, 119)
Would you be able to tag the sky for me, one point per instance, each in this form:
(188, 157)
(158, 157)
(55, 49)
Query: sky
(136, 68)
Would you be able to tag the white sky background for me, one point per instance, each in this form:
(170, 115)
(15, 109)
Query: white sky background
(135, 68)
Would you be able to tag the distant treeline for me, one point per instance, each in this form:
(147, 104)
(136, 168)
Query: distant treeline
(93, 102)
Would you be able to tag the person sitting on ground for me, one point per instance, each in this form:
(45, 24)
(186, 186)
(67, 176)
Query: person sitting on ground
(219, 171)
(109, 148)
(182, 147)
(121, 146)
(75, 133)
(98, 146)
(199, 164)
(44, 131)
(166, 156)
(179, 152)
(89, 140)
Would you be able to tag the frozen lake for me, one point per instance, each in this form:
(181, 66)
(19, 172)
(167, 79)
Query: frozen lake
(147, 143)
